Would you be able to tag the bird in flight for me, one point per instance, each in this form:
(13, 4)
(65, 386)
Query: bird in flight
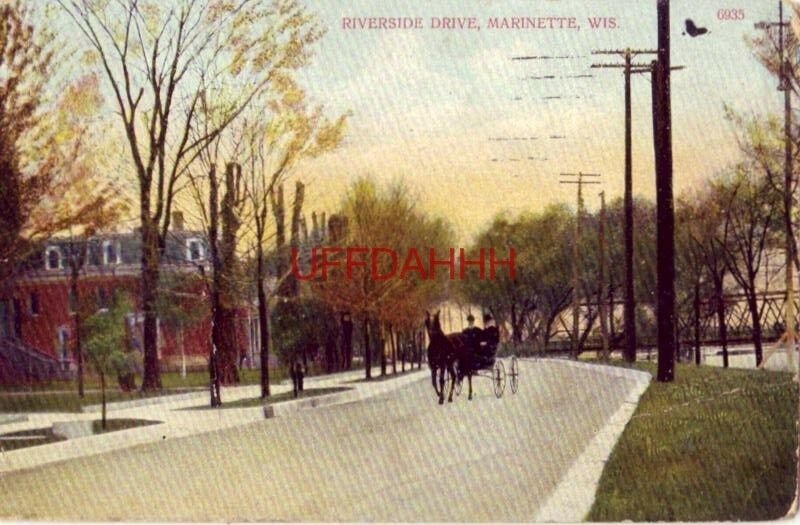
(692, 30)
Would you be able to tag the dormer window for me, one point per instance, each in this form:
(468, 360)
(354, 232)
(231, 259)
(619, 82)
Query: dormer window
(111, 253)
(195, 250)
(53, 258)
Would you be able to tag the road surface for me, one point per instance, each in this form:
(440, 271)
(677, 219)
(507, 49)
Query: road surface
(398, 456)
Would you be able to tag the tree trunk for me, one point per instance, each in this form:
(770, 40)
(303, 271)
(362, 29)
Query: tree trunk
(103, 400)
(225, 276)
(347, 342)
(696, 322)
(291, 288)
(213, 238)
(752, 304)
(78, 350)
(151, 380)
(392, 349)
(279, 211)
(263, 328)
(418, 343)
(382, 347)
(367, 350)
(516, 325)
(226, 348)
(722, 325)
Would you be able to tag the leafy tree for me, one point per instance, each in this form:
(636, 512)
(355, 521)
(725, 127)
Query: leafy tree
(750, 213)
(180, 303)
(701, 255)
(644, 259)
(385, 218)
(106, 343)
(274, 147)
(44, 183)
(542, 289)
(168, 67)
(77, 107)
(300, 328)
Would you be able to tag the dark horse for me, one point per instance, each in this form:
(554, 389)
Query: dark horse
(447, 354)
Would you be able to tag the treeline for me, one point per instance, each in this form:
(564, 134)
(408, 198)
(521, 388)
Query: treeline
(726, 228)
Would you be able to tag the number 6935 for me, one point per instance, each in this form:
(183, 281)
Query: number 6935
(730, 14)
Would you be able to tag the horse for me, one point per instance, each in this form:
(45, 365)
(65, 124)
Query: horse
(450, 353)
(440, 355)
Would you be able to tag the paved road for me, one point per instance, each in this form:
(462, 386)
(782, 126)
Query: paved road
(395, 457)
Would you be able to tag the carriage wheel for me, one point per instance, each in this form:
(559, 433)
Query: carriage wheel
(499, 378)
(514, 375)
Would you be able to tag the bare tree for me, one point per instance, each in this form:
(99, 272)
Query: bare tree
(159, 61)
(750, 214)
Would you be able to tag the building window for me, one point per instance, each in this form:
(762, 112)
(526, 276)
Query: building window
(102, 299)
(53, 258)
(195, 250)
(63, 347)
(111, 252)
(94, 254)
(34, 303)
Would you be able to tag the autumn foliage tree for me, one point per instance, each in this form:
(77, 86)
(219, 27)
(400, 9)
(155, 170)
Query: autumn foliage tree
(385, 218)
(44, 183)
(159, 61)
(274, 147)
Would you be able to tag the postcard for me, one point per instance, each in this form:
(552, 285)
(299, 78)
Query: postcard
(384, 261)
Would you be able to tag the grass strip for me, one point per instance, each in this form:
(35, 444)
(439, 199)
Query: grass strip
(715, 445)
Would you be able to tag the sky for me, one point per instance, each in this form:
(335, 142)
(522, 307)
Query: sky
(428, 105)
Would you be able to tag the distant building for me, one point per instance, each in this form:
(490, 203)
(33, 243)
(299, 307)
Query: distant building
(37, 317)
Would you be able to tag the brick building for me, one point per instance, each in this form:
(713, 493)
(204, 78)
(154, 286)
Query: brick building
(37, 322)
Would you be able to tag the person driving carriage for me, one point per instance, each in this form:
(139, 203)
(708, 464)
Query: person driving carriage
(482, 341)
(474, 337)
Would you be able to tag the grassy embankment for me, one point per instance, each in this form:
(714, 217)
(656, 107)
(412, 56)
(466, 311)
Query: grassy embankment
(714, 445)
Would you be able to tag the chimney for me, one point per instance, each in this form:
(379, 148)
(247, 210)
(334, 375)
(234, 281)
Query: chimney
(177, 220)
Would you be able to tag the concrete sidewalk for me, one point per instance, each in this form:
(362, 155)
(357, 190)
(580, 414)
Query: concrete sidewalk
(179, 422)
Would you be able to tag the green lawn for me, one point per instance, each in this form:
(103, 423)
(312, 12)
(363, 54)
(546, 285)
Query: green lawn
(68, 401)
(115, 424)
(169, 380)
(714, 445)
(277, 398)
(61, 396)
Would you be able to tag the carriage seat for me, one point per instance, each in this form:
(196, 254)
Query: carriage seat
(483, 344)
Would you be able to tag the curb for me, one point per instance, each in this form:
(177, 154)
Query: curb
(574, 495)
(7, 419)
(367, 390)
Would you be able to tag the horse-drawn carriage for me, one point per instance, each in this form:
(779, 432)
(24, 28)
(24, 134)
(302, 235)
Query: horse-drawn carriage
(496, 372)
(453, 357)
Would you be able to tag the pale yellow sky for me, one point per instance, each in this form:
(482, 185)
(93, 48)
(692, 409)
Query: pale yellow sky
(426, 103)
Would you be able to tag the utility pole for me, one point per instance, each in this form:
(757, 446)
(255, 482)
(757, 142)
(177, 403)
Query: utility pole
(789, 336)
(602, 294)
(665, 215)
(576, 276)
(629, 309)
